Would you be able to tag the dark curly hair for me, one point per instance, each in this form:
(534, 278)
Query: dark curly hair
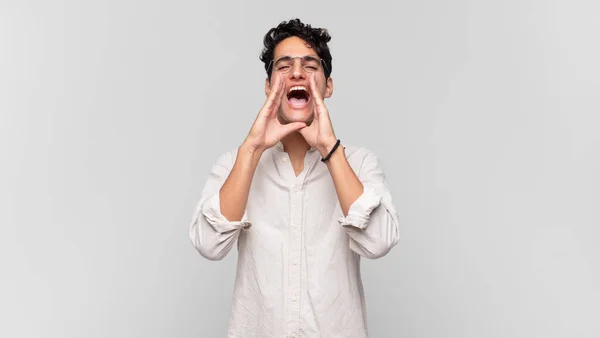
(317, 38)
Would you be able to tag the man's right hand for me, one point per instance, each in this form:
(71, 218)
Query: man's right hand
(265, 133)
(267, 130)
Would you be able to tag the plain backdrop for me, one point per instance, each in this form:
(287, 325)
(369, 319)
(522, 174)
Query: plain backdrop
(485, 115)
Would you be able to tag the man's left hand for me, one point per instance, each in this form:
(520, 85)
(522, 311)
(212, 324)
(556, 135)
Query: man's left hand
(320, 133)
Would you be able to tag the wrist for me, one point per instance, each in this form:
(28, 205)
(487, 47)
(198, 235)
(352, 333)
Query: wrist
(326, 147)
(247, 150)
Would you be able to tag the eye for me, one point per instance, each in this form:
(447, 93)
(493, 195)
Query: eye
(283, 67)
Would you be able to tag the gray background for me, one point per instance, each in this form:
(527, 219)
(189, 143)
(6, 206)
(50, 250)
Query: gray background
(484, 114)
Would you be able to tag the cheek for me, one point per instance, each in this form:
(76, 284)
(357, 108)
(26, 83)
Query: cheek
(324, 91)
(321, 88)
(322, 85)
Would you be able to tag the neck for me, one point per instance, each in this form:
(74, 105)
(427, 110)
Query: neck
(295, 145)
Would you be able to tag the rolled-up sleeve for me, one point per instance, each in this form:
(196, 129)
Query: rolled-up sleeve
(372, 220)
(211, 233)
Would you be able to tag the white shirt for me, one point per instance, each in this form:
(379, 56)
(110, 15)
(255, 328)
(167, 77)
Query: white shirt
(298, 272)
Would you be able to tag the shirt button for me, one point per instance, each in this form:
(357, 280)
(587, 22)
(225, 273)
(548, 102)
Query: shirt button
(284, 159)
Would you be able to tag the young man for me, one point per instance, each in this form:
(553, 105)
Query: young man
(302, 207)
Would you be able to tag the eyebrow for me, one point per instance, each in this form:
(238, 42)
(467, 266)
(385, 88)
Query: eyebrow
(284, 58)
(287, 57)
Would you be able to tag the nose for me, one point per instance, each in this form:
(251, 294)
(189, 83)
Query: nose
(297, 70)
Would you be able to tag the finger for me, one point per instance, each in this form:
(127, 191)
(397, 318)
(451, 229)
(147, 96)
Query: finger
(304, 132)
(314, 91)
(320, 108)
(309, 133)
(280, 94)
(277, 101)
(291, 127)
(272, 98)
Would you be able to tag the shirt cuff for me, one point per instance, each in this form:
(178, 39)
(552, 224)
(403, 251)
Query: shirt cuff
(360, 211)
(212, 212)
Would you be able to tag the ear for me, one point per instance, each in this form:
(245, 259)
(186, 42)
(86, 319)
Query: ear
(267, 86)
(329, 87)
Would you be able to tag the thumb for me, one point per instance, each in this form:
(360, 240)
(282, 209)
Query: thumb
(291, 127)
(316, 112)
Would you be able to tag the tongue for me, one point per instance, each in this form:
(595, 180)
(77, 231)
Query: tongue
(297, 102)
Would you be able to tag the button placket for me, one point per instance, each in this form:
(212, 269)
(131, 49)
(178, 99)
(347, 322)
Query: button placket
(295, 255)
(295, 233)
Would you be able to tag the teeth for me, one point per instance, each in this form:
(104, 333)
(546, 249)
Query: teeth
(297, 88)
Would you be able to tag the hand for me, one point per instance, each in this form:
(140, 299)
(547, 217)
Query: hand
(320, 133)
(267, 130)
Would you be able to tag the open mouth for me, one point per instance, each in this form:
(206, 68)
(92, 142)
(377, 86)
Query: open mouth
(298, 96)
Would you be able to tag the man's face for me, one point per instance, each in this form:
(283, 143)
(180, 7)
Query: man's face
(298, 103)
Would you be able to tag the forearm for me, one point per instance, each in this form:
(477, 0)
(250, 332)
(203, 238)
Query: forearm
(347, 185)
(233, 194)
(372, 227)
(371, 221)
(379, 235)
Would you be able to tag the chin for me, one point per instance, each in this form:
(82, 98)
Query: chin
(297, 117)
(289, 114)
